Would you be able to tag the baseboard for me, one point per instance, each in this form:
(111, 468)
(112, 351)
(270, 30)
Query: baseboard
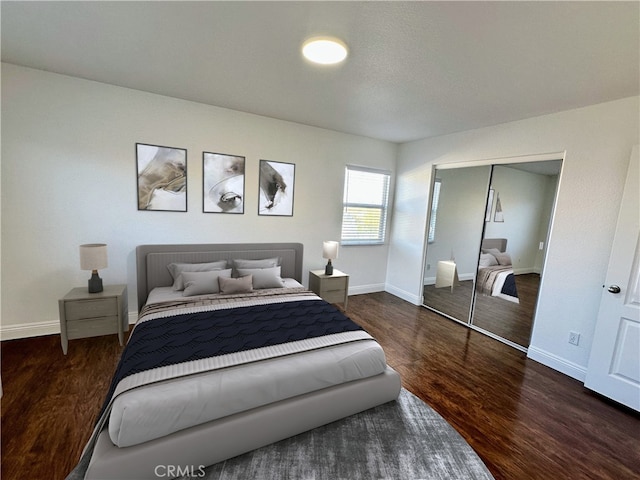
(39, 329)
(463, 277)
(559, 364)
(26, 330)
(471, 276)
(525, 271)
(361, 290)
(403, 294)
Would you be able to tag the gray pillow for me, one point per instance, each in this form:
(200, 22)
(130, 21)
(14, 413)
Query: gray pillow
(236, 285)
(264, 263)
(487, 260)
(502, 257)
(263, 277)
(176, 269)
(203, 283)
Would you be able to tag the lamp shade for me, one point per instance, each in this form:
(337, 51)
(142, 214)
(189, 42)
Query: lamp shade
(93, 256)
(330, 250)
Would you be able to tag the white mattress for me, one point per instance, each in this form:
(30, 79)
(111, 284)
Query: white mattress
(157, 410)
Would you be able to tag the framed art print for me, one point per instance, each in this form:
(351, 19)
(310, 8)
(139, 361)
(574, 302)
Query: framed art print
(276, 188)
(223, 183)
(162, 178)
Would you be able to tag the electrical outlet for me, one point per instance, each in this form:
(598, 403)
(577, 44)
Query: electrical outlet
(574, 338)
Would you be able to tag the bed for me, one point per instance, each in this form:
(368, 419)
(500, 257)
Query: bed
(495, 271)
(208, 399)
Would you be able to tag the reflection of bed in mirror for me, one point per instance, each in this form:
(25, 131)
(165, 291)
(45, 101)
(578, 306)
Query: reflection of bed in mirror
(510, 320)
(495, 271)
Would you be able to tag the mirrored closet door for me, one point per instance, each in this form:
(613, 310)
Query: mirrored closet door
(487, 237)
(455, 232)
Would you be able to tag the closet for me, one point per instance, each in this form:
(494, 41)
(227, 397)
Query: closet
(489, 225)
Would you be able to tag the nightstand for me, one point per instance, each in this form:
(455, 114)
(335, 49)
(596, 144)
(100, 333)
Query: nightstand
(447, 274)
(84, 314)
(332, 288)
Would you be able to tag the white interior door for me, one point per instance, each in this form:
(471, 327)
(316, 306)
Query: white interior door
(614, 363)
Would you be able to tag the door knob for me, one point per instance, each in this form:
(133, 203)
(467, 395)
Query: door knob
(614, 289)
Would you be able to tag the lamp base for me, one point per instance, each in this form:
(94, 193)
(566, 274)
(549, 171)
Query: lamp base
(328, 270)
(95, 283)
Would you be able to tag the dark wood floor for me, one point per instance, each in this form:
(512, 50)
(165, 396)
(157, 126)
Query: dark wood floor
(51, 401)
(525, 420)
(512, 321)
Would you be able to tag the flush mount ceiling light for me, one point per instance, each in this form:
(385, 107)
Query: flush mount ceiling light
(324, 50)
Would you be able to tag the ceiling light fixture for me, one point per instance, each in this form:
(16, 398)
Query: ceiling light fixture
(324, 50)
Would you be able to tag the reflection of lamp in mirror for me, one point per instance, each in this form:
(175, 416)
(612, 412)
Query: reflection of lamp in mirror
(93, 256)
(330, 252)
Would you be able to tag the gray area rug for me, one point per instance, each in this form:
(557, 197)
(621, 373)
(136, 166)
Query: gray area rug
(404, 440)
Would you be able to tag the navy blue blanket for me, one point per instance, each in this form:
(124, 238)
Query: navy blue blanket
(509, 286)
(194, 336)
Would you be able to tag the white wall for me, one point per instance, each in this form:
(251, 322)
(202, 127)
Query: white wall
(597, 142)
(69, 177)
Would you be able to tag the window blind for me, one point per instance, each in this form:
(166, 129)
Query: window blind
(366, 196)
(434, 210)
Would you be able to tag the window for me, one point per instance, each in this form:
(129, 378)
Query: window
(434, 210)
(364, 214)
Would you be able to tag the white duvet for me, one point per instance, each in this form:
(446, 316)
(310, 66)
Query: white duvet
(237, 382)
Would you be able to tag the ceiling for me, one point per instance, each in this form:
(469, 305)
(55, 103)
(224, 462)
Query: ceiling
(415, 69)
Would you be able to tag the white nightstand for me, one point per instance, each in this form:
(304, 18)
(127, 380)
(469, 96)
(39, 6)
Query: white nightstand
(332, 288)
(447, 274)
(84, 314)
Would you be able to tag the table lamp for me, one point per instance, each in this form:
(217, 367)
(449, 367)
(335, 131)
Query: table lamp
(93, 256)
(330, 252)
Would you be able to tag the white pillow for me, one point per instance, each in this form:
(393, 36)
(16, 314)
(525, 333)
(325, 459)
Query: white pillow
(176, 269)
(502, 257)
(487, 260)
(263, 277)
(203, 283)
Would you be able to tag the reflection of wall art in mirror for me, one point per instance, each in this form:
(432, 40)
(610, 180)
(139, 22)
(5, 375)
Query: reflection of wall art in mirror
(162, 178)
(499, 216)
(223, 183)
(276, 188)
(487, 216)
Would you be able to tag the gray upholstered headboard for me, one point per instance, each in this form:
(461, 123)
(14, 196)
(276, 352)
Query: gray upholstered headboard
(499, 243)
(152, 260)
